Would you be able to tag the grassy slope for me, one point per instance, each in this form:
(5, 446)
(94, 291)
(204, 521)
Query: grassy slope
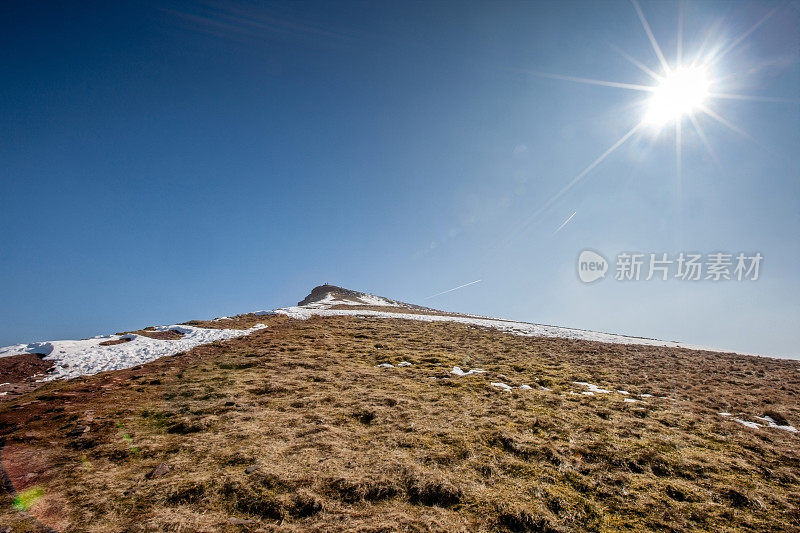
(341, 444)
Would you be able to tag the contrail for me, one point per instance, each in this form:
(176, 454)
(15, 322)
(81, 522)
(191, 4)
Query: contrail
(565, 223)
(453, 289)
(524, 225)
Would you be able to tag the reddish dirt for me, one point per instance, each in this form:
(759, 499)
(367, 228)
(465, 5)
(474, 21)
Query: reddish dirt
(16, 368)
(115, 342)
(169, 335)
(18, 374)
(28, 467)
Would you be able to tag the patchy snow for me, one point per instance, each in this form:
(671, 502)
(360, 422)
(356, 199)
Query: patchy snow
(84, 357)
(264, 313)
(591, 387)
(403, 363)
(587, 393)
(385, 365)
(525, 387)
(458, 372)
(371, 299)
(323, 308)
(302, 313)
(630, 400)
(502, 386)
(623, 392)
(771, 423)
(645, 395)
(724, 414)
(751, 425)
(330, 300)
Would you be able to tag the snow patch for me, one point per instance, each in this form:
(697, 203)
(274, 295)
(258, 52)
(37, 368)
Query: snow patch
(592, 388)
(502, 386)
(363, 299)
(73, 358)
(771, 423)
(747, 423)
(458, 372)
(371, 299)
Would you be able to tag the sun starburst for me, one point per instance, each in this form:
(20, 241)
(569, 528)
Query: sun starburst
(680, 92)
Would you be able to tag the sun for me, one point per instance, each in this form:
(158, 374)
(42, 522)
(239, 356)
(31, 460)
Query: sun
(680, 93)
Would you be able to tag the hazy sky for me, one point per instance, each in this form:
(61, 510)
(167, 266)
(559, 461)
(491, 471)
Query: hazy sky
(164, 161)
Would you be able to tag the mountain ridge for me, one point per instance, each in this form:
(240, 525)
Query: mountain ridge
(327, 293)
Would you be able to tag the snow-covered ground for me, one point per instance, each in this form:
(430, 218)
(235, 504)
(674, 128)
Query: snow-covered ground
(87, 356)
(323, 308)
(364, 299)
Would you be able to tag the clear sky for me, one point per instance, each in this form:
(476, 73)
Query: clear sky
(164, 161)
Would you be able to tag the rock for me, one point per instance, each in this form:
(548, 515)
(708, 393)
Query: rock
(250, 469)
(158, 471)
(78, 431)
(230, 403)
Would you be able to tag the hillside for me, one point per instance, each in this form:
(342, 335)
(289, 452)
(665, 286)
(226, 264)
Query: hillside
(356, 412)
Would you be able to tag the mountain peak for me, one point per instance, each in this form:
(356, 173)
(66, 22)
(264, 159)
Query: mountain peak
(334, 295)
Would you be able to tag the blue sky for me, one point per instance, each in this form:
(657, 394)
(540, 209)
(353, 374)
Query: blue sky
(164, 161)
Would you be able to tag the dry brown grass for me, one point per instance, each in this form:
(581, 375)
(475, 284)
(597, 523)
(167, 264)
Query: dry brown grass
(114, 342)
(294, 428)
